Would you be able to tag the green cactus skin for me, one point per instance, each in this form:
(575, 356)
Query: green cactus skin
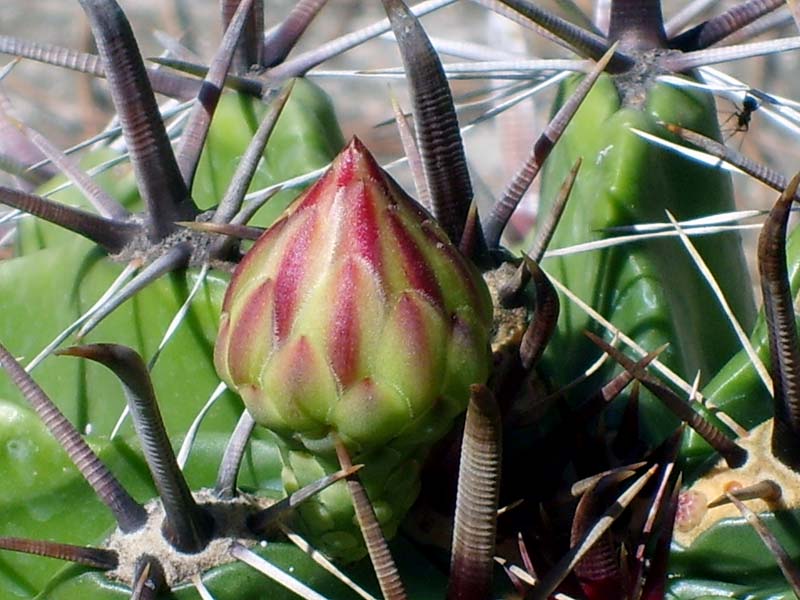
(238, 582)
(44, 493)
(392, 480)
(736, 381)
(37, 234)
(731, 556)
(736, 388)
(53, 287)
(50, 496)
(714, 590)
(729, 559)
(306, 137)
(46, 496)
(57, 277)
(651, 291)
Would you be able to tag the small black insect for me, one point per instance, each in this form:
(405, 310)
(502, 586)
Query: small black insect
(739, 120)
(749, 106)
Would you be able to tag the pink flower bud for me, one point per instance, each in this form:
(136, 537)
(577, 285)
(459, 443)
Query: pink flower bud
(355, 315)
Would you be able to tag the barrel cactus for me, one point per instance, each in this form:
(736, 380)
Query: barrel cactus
(359, 326)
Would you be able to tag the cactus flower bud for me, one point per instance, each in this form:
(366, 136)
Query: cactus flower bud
(355, 315)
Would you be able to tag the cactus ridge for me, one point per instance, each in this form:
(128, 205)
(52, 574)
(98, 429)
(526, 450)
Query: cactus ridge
(174, 233)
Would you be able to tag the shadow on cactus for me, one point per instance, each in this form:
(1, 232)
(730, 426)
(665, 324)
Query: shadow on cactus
(357, 329)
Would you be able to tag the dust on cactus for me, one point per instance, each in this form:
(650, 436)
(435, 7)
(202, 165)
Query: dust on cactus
(596, 514)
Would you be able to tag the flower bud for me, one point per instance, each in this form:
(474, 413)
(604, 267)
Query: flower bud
(355, 315)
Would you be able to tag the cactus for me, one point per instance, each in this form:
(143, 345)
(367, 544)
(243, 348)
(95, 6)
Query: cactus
(597, 512)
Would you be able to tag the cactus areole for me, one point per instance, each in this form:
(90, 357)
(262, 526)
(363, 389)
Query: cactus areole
(355, 316)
